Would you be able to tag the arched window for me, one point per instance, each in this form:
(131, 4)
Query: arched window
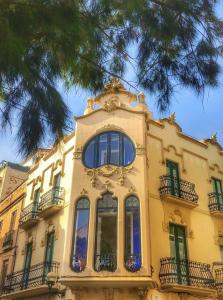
(106, 234)
(79, 253)
(132, 234)
(112, 147)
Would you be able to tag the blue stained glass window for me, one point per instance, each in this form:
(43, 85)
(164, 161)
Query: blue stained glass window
(111, 147)
(79, 257)
(132, 234)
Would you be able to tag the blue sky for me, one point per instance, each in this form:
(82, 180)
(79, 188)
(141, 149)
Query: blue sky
(198, 117)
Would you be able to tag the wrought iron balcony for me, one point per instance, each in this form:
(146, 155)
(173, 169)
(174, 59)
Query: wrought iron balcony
(178, 190)
(27, 278)
(8, 240)
(29, 216)
(186, 273)
(79, 263)
(216, 203)
(218, 270)
(133, 262)
(105, 262)
(51, 202)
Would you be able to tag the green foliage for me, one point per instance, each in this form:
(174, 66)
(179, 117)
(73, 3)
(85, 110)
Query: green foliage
(85, 42)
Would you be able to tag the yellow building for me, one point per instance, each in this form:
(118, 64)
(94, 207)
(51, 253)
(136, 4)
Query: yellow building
(126, 207)
(10, 209)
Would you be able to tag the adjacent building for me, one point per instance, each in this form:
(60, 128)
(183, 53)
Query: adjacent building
(126, 207)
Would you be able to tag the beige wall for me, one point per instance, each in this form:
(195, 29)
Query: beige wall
(155, 142)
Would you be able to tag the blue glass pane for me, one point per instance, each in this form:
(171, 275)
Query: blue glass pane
(89, 154)
(81, 239)
(103, 149)
(114, 151)
(128, 152)
(133, 240)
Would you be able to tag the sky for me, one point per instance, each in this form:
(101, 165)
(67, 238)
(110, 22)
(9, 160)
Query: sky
(198, 117)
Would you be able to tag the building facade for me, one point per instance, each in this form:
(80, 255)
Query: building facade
(126, 207)
(10, 209)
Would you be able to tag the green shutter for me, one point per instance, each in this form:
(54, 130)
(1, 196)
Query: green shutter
(27, 265)
(174, 178)
(178, 249)
(49, 253)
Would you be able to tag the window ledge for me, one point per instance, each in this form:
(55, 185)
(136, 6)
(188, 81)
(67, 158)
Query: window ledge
(178, 200)
(193, 290)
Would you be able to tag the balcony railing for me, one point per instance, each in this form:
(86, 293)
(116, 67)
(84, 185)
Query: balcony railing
(79, 263)
(54, 197)
(185, 272)
(177, 187)
(219, 277)
(28, 213)
(27, 278)
(215, 202)
(133, 262)
(105, 262)
(8, 240)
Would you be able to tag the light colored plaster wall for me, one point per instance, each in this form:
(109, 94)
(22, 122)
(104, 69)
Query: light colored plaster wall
(39, 231)
(135, 183)
(194, 161)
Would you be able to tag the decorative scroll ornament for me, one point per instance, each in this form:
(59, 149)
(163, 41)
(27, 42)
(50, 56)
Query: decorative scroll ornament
(111, 104)
(114, 85)
(109, 171)
(214, 138)
(172, 118)
(78, 153)
(106, 185)
(142, 293)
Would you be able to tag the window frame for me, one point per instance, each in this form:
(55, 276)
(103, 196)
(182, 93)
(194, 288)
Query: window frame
(125, 232)
(96, 230)
(74, 233)
(96, 138)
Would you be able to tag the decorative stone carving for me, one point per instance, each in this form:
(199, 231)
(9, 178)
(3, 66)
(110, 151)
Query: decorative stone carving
(106, 185)
(213, 138)
(84, 192)
(140, 150)
(111, 104)
(114, 85)
(78, 153)
(172, 118)
(142, 293)
(108, 171)
(132, 189)
(108, 127)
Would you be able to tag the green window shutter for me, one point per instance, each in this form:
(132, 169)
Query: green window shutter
(178, 250)
(49, 252)
(174, 178)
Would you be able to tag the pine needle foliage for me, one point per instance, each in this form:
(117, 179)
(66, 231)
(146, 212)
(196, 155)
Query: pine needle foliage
(85, 42)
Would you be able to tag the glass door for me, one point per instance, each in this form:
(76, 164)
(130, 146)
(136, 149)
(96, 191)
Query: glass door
(48, 254)
(174, 179)
(56, 188)
(27, 265)
(217, 188)
(178, 249)
(35, 203)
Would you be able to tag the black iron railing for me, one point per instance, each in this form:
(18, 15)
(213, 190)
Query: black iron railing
(8, 239)
(218, 270)
(215, 202)
(133, 262)
(170, 185)
(27, 278)
(105, 262)
(79, 263)
(185, 272)
(28, 213)
(54, 196)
